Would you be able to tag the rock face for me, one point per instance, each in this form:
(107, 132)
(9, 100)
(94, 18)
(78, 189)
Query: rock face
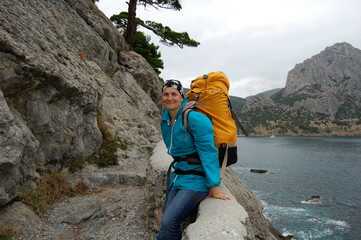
(64, 78)
(258, 101)
(336, 69)
(327, 79)
(61, 65)
(322, 96)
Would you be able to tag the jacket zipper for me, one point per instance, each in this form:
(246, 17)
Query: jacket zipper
(171, 138)
(170, 150)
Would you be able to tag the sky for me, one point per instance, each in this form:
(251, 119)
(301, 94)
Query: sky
(254, 42)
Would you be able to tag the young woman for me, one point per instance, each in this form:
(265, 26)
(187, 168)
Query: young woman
(197, 171)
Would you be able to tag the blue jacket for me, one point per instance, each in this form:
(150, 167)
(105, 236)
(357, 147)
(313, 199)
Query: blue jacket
(180, 143)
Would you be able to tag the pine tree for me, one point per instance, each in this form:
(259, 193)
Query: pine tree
(148, 50)
(129, 22)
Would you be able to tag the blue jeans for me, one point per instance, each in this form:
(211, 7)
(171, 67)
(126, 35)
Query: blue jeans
(180, 204)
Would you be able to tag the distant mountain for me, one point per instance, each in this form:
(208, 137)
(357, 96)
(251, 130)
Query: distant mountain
(271, 92)
(268, 93)
(237, 103)
(322, 96)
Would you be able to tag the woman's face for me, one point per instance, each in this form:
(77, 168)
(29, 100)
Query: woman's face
(171, 98)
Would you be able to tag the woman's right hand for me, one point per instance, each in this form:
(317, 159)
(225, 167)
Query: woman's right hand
(216, 193)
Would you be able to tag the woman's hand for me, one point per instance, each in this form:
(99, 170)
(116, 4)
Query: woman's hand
(216, 193)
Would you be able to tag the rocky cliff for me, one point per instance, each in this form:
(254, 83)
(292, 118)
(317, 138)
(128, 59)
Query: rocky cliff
(328, 79)
(322, 96)
(61, 67)
(65, 84)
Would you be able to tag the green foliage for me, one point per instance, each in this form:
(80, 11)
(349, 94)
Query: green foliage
(142, 44)
(341, 123)
(168, 36)
(148, 50)
(282, 120)
(139, 42)
(308, 128)
(237, 103)
(128, 22)
(300, 121)
(52, 188)
(349, 109)
(278, 96)
(7, 235)
(120, 20)
(291, 99)
(106, 155)
(77, 164)
(167, 4)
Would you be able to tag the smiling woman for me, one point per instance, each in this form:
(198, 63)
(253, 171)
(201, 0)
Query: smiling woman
(191, 181)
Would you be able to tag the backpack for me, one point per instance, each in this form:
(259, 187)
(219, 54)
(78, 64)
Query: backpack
(208, 94)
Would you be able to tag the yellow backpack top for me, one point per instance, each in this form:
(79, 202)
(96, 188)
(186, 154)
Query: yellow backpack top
(209, 95)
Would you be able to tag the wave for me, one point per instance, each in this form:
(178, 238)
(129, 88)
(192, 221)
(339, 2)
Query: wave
(336, 223)
(318, 202)
(319, 228)
(287, 210)
(309, 235)
(342, 225)
(306, 224)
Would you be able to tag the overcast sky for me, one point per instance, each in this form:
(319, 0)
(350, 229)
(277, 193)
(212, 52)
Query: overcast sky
(254, 42)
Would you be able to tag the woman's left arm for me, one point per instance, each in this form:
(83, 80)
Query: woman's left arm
(202, 131)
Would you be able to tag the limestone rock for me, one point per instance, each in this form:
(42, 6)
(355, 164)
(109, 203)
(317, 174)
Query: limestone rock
(313, 198)
(322, 96)
(325, 81)
(59, 70)
(258, 102)
(19, 217)
(19, 153)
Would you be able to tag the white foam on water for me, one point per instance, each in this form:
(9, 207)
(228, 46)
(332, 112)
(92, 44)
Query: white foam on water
(318, 227)
(318, 202)
(341, 225)
(286, 210)
(309, 235)
(273, 212)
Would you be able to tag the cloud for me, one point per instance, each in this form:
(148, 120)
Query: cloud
(255, 42)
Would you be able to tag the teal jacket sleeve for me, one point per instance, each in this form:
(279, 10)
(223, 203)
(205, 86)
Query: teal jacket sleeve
(202, 130)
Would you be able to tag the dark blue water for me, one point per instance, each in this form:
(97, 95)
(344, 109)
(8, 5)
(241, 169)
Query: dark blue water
(301, 167)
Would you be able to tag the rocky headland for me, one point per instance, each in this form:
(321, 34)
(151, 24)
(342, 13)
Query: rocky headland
(322, 97)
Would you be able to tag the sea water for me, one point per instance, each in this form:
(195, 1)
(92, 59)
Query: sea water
(299, 168)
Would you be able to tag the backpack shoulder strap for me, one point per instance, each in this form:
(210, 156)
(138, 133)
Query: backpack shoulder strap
(236, 120)
(239, 123)
(190, 106)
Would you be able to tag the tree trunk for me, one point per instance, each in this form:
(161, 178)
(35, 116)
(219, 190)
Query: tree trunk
(132, 24)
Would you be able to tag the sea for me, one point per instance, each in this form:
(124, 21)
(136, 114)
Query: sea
(299, 168)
